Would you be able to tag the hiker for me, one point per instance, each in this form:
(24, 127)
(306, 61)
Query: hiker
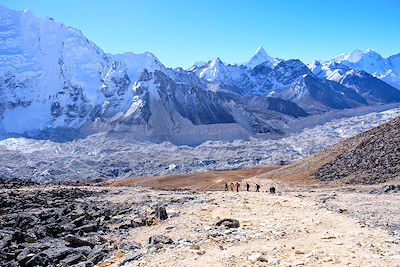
(237, 186)
(272, 190)
(232, 186)
(257, 188)
(247, 187)
(226, 186)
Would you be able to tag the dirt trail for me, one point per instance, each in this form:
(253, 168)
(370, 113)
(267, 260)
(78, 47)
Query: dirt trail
(286, 229)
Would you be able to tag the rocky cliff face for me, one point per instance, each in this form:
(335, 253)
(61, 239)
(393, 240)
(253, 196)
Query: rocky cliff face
(371, 157)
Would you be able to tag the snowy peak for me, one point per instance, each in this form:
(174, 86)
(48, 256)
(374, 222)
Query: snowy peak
(211, 71)
(135, 63)
(260, 57)
(355, 56)
(358, 55)
(372, 62)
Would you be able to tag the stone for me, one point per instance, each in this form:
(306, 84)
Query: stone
(255, 256)
(98, 253)
(161, 213)
(131, 245)
(74, 258)
(40, 259)
(201, 252)
(18, 237)
(83, 264)
(74, 241)
(228, 223)
(132, 257)
(194, 247)
(88, 228)
(26, 254)
(24, 257)
(160, 239)
(273, 261)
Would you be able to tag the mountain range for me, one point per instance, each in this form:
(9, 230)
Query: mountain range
(56, 84)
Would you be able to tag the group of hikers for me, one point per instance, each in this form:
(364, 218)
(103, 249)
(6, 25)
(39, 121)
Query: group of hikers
(235, 186)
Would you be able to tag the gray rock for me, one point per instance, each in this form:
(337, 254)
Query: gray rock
(98, 253)
(26, 254)
(160, 239)
(40, 259)
(133, 257)
(161, 213)
(74, 258)
(228, 223)
(74, 241)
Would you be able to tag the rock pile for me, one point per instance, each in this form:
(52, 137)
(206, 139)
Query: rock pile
(56, 227)
(387, 189)
(15, 183)
(371, 157)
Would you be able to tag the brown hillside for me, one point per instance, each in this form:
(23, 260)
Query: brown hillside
(370, 157)
(205, 181)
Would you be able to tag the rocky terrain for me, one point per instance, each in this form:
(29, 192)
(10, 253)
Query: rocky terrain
(303, 225)
(371, 157)
(368, 158)
(71, 225)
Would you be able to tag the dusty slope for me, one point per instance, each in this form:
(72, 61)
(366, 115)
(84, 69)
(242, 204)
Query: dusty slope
(204, 181)
(370, 157)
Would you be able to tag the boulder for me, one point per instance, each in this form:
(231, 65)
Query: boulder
(228, 223)
(161, 213)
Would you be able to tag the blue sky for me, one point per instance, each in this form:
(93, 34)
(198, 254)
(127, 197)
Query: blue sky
(181, 32)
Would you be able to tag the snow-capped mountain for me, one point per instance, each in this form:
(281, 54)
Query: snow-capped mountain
(52, 75)
(135, 63)
(386, 69)
(261, 57)
(55, 83)
(286, 79)
(372, 89)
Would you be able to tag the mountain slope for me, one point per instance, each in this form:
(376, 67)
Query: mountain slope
(371, 157)
(51, 75)
(367, 158)
(372, 89)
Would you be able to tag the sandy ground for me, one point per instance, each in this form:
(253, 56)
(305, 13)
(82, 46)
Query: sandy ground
(296, 227)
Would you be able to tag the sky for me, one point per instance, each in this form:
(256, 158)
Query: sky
(181, 32)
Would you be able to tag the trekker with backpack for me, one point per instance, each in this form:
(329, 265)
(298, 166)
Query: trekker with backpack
(237, 186)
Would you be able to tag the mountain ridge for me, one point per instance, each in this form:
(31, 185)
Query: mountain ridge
(56, 82)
